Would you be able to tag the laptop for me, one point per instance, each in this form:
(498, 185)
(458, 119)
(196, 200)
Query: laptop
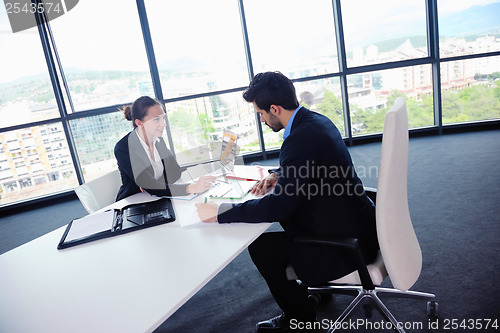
(224, 165)
(223, 188)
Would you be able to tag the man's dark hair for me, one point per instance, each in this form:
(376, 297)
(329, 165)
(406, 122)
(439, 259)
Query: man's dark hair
(271, 88)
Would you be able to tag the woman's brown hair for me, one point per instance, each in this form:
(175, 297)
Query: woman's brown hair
(139, 109)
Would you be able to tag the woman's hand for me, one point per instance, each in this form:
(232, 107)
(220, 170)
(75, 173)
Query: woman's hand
(262, 186)
(203, 184)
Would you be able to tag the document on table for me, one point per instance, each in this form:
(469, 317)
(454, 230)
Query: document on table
(90, 225)
(138, 212)
(248, 172)
(133, 199)
(187, 197)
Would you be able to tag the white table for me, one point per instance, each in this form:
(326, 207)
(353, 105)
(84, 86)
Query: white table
(128, 283)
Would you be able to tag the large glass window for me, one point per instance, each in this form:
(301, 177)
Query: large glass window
(383, 31)
(372, 94)
(198, 45)
(322, 96)
(95, 139)
(197, 125)
(34, 162)
(325, 97)
(468, 27)
(470, 89)
(200, 51)
(103, 55)
(272, 140)
(294, 37)
(26, 93)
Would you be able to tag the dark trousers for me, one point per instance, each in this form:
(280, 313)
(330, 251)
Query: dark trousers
(269, 254)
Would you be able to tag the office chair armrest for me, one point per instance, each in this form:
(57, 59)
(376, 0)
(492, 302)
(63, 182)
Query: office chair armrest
(371, 192)
(348, 243)
(337, 241)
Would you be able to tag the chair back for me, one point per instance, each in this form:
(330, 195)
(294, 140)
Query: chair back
(100, 192)
(398, 243)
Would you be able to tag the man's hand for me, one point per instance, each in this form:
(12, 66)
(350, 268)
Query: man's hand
(207, 211)
(262, 186)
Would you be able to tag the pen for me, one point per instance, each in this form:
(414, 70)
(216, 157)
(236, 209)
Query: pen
(242, 179)
(205, 199)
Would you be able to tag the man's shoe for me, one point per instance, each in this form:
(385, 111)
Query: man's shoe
(277, 324)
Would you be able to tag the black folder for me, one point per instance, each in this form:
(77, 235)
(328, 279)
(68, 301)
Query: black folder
(116, 222)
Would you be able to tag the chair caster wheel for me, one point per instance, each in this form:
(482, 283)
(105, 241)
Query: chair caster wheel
(432, 309)
(314, 299)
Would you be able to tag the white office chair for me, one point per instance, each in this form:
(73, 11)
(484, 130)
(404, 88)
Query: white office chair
(400, 256)
(99, 192)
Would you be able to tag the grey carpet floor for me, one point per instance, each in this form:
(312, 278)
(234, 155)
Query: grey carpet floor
(454, 199)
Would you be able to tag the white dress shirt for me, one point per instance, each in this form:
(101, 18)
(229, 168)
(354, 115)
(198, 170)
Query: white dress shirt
(156, 163)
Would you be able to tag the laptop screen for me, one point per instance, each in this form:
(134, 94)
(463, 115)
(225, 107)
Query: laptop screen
(228, 149)
(225, 163)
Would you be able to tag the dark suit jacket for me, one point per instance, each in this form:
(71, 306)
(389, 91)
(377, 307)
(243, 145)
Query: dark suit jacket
(136, 169)
(318, 193)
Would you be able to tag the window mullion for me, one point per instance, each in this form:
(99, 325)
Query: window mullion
(45, 40)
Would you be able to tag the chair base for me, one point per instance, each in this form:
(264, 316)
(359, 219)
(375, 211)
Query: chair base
(372, 295)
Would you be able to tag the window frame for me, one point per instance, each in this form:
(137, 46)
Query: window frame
(64, 104)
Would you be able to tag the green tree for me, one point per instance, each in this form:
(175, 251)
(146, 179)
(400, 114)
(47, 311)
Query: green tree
(452, 107)
(192, 124)
(478, 102)
(180, 118)
(206, 125)
(496, 90)
(331, 107)
(367, 121)
(420, 113)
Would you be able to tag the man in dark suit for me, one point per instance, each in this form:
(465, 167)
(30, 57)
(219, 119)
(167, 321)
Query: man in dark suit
(317, 192)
